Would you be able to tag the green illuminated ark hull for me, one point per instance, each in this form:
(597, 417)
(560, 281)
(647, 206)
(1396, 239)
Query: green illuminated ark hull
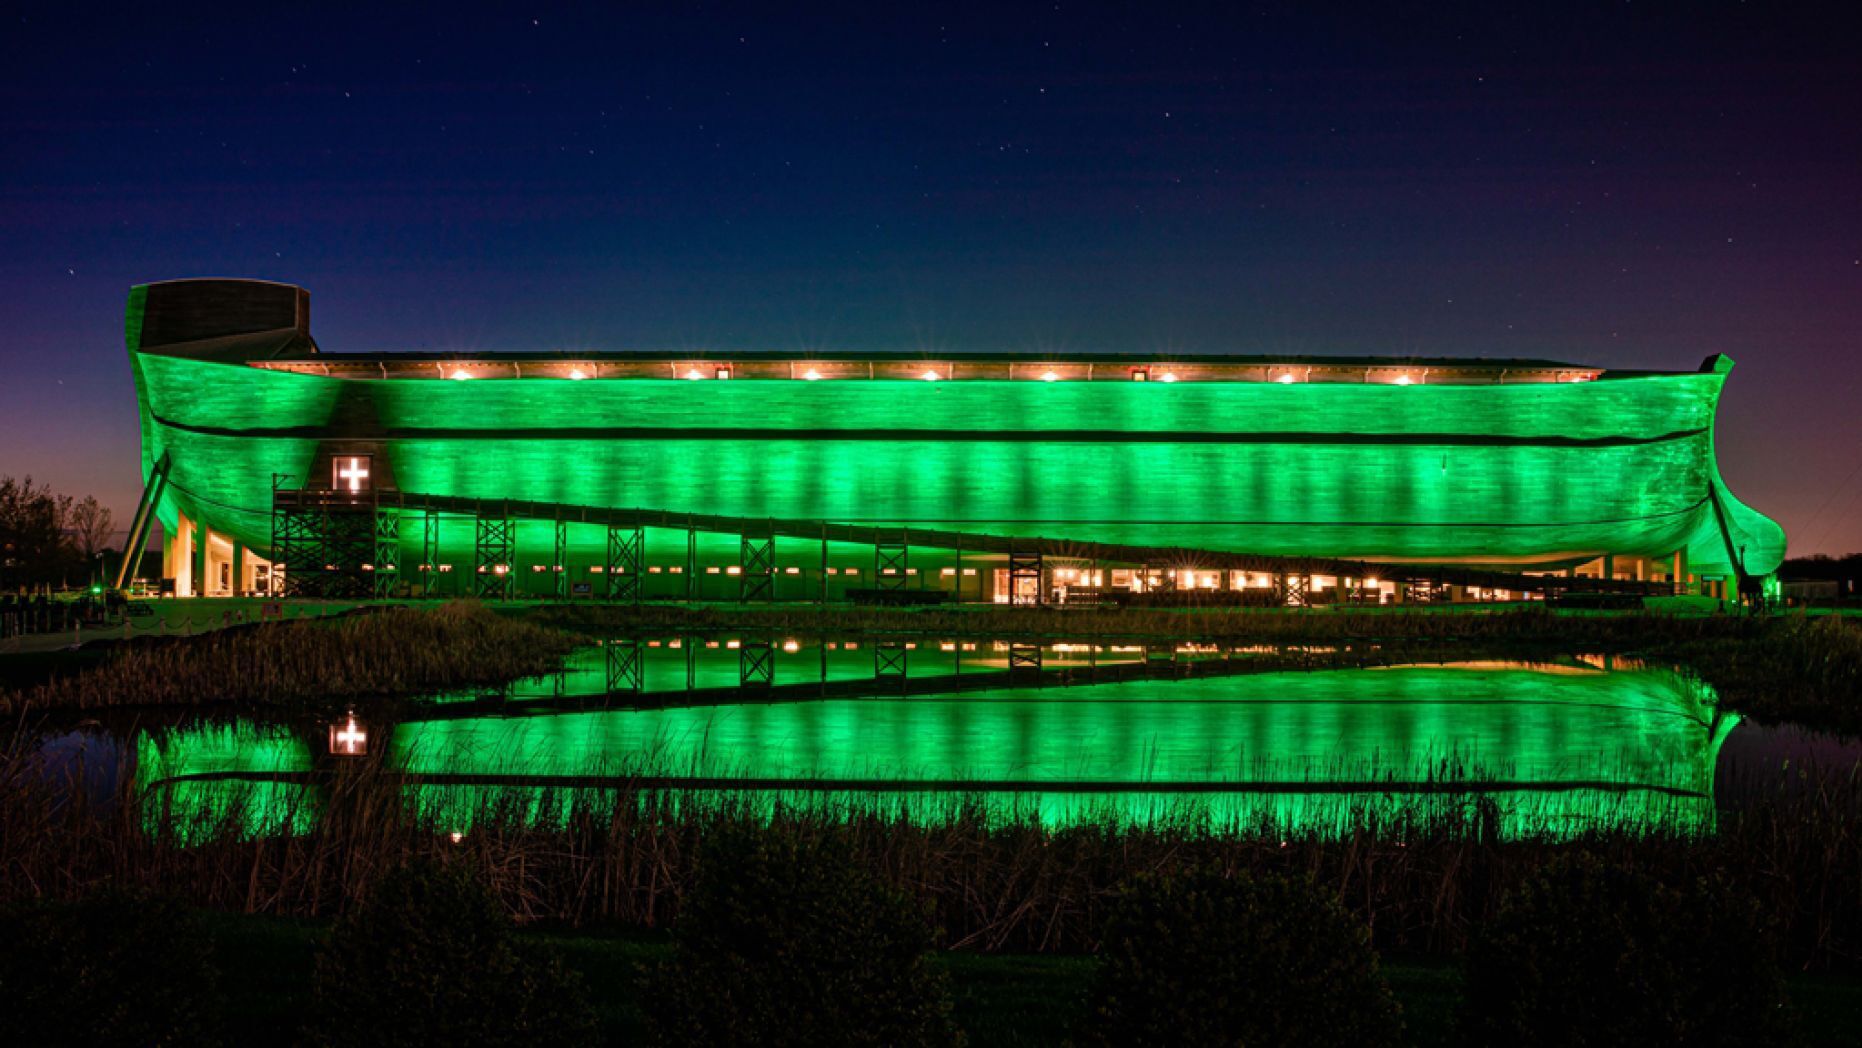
(1529, 474)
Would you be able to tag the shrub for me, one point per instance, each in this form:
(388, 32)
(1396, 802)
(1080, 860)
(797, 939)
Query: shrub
(1200, 958)
(112, 970)
(1586, 953)
(428, 958)
(785, 941)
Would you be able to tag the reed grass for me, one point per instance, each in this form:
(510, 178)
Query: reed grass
(396, 651)
(625, 856)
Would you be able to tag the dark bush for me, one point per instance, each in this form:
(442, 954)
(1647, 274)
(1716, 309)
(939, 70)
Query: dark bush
(1590, 954)
(791, 942)
(1203, 959)
(113, 970)
(428, 958)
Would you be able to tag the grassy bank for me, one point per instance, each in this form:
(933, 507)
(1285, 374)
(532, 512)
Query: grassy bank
(1501, 623)
(1808, 671)
(395, 651)
(1008, 999)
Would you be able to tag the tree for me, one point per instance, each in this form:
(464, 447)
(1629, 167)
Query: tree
(33, 548)
(89, 524)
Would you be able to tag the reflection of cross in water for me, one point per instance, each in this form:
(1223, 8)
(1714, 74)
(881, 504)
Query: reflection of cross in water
(351, 738)
(354, 472)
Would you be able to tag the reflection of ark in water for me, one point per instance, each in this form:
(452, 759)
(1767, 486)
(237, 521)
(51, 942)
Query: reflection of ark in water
(1522, 750)
(803, 476)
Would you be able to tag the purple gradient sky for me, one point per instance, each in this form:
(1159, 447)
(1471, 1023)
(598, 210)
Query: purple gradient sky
(1600, 184)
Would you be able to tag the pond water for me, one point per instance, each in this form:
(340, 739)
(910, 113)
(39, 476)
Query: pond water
(1059, 734)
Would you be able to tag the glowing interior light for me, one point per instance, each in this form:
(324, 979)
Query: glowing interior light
(460, 375)
(1286, 378)
(577, 374)
(694, 374)
(1050, 376)
(789, 645)
(812, 375)
(1402, 380)
(929, 376)
(1168, 376)
(1140, 375)
(723, 373)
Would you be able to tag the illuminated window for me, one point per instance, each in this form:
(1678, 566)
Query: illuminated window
(350, 473)
(792, 571)
(596, 569)
(723, 373)
(948, 571)
(1141, 374)
(734, 569)
(654, 569)
(969, 571)
(850, 571)
(834, 571)
(712, 570)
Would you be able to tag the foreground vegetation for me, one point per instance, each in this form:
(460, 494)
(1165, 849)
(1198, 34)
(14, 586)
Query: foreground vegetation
(394, 651)
(1585, 953)
(624, 856)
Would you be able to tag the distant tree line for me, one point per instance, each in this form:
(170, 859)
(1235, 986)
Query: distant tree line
(48, 538)
(1846, 570)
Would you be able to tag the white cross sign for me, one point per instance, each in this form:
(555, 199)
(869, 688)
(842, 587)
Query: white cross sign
(352, 473)
(349, 740)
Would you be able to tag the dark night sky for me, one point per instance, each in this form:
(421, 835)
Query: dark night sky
(1606, 184)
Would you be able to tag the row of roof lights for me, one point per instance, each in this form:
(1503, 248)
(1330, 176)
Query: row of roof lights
(462, 374)
(1285, 377)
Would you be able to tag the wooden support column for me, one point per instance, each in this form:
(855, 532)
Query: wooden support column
(197, 559)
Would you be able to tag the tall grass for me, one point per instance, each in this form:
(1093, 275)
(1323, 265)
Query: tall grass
(396, 651)
(625, 855)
